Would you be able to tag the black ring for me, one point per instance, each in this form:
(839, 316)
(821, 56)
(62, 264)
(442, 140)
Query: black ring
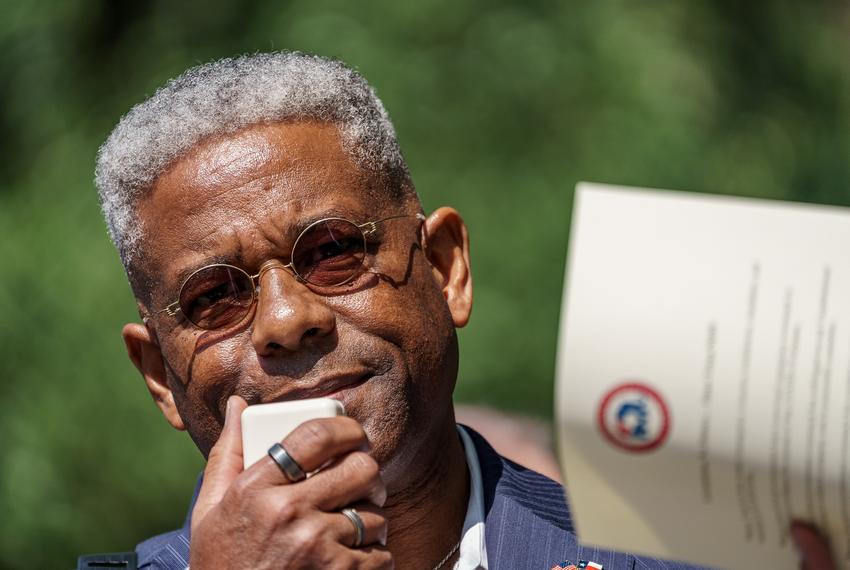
(288, 466)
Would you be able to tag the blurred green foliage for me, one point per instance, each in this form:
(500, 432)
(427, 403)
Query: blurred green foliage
(500, 107)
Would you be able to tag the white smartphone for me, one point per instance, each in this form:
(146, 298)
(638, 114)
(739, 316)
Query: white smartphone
(263, 425)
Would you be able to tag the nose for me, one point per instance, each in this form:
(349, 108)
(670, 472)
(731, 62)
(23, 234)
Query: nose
(289, 316)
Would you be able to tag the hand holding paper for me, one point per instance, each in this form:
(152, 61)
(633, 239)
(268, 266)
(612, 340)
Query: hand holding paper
(703, 393)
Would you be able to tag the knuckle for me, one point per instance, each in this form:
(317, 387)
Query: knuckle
(316, 434)
(286, 513)
(309, 538)
(315, 530)
(240, 489)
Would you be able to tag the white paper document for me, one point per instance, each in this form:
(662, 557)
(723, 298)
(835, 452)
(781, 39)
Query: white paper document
(703, 377)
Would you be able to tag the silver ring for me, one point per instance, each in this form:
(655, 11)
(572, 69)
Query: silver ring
(359, 527)
(289, 466)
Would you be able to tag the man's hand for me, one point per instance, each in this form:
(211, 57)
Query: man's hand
(813, 547)
(257, 519)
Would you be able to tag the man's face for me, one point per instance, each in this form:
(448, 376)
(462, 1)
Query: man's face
(384, 344)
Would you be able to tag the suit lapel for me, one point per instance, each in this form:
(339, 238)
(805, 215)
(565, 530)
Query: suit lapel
(169, 551)
(527, 521)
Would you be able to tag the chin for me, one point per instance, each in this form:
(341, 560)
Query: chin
(404, 448)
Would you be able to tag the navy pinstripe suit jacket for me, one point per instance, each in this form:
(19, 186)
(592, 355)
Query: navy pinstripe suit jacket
(527, 527)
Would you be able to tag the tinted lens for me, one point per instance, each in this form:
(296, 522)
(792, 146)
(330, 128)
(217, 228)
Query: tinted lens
(329, 252)
(216, 296)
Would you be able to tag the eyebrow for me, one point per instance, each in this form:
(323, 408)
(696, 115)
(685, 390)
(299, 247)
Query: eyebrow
(185, 273)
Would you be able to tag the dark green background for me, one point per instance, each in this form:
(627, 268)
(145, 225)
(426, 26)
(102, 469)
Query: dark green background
(500, 108)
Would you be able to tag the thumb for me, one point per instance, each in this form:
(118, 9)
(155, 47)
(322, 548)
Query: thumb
(813, 547)
(224, 463)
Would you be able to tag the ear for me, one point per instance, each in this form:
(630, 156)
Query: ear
(446, 244)
(144, 351)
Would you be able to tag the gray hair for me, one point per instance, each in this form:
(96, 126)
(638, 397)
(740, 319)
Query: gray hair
(223, 97)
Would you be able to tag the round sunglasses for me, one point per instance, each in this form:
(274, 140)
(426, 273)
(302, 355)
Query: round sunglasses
(328, 253)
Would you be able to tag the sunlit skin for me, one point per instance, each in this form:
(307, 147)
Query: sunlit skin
(385, 345)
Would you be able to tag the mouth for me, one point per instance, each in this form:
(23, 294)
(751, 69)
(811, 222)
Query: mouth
(336, 386)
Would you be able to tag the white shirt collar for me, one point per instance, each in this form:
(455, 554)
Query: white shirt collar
(473, 550)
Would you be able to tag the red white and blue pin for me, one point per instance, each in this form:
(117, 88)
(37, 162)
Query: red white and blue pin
(582, 564)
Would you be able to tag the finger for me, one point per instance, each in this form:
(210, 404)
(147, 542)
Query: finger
(316, 442)
(225, 461)
(813, 547)
(312, 445)
(355, 477)
(374, 525)
(371, 557)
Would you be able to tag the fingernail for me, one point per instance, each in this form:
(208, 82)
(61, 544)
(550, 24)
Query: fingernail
(227, 410)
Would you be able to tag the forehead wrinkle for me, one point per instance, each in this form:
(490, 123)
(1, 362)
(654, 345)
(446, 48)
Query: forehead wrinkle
(265, 182)
(207, 203)
(249, 233)
(243, 161)
(221, 162)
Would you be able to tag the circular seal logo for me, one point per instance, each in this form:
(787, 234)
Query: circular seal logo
(634, 417)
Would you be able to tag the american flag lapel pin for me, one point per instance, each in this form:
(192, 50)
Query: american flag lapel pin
(565, 565)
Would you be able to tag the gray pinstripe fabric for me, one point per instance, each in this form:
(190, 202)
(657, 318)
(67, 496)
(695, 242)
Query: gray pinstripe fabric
(528, 526)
